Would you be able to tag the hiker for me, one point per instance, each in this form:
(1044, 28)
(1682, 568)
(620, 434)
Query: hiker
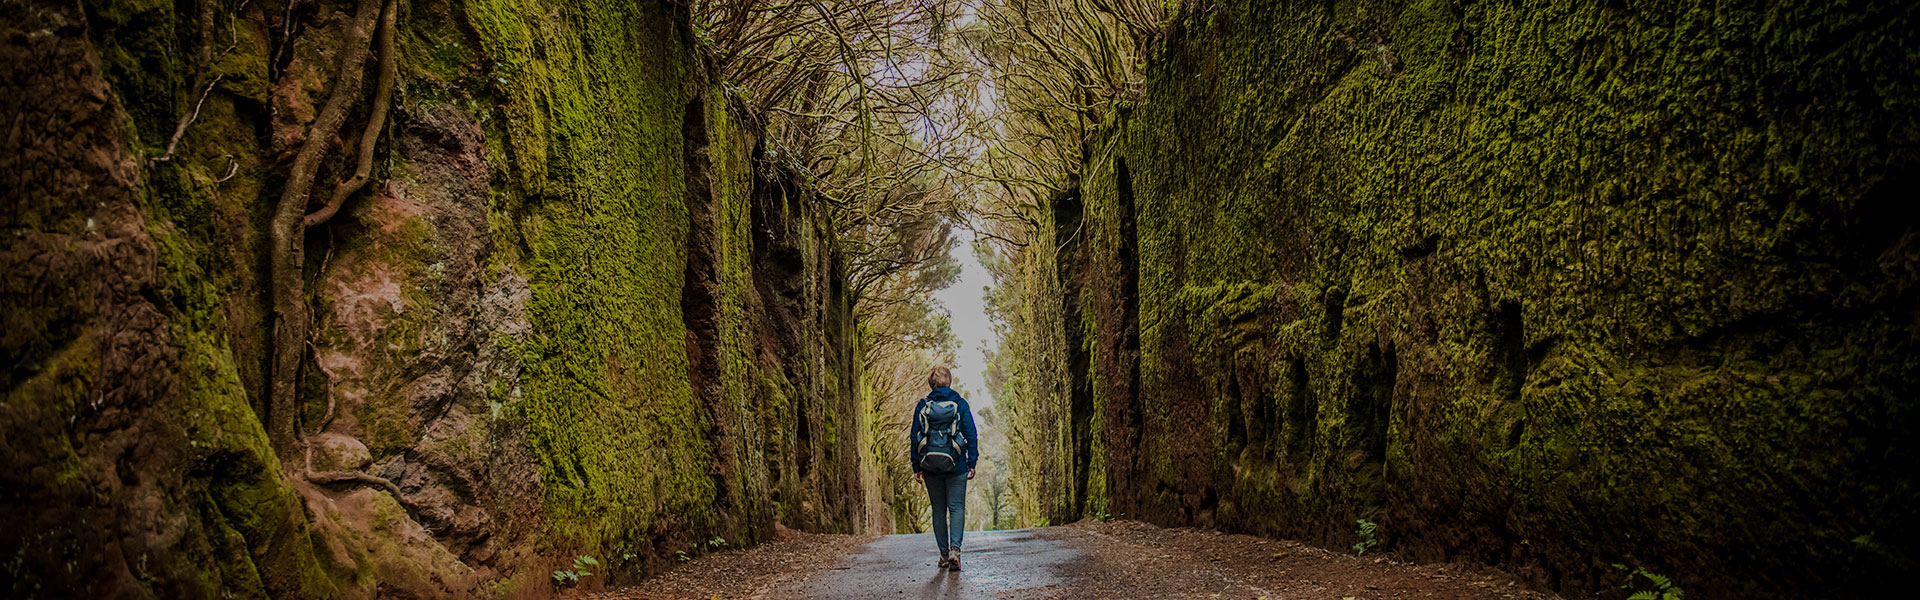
(945, 448)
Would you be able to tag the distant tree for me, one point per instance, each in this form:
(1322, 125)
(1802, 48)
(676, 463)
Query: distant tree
(1054, 71)
(865, 100)
(998, 505)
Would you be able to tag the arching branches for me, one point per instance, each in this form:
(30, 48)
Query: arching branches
(1055, 69)
(869, 101)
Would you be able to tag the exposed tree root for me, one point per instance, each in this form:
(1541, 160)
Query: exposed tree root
(204, 63)
(289, 235)
(180, 130)
(290, 222)
(352, 477)
(376, 121)
(205, 59)
(325, 421)
(340, 477)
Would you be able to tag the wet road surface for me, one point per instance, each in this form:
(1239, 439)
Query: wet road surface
(1088, 560)
(998, 564)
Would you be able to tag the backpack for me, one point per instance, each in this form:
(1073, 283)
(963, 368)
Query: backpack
(940, 442)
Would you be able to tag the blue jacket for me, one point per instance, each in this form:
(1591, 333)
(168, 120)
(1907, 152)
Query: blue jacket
(971, 452)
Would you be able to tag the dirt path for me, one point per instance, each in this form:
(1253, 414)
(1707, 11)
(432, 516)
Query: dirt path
(1085, 560)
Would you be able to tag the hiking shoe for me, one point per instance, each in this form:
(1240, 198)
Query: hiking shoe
(953, 559)
(943, 561)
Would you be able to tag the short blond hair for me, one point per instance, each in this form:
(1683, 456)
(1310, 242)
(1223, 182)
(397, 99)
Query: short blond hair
(939, 378)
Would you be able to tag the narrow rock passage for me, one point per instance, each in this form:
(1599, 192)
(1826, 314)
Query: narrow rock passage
(1086, 560)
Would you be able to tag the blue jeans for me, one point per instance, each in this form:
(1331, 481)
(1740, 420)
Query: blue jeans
(948, 494)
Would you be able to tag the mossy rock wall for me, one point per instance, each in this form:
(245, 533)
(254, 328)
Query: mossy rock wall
(570, 317)
(1551, 287)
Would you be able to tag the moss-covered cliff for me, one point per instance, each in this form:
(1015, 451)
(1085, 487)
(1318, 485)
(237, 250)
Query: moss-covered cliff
(570, 317)
(1552, 287)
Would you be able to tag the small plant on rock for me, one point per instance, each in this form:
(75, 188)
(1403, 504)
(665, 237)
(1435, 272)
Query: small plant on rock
(1369, 537)
(717, 542)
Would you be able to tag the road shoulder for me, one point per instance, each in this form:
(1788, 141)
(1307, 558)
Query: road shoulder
(792, 558)
(1133, 559)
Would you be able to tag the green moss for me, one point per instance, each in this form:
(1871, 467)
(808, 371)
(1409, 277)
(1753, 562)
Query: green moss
(376, 300)
(584, 108)
(592, 134)
(1600, 278)
(62, 387)
(244, 531)
(142, 54)
(236, 465)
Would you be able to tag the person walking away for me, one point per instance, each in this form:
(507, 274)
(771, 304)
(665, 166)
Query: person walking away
(945, 448)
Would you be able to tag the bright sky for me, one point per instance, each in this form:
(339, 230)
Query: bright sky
(966, 306)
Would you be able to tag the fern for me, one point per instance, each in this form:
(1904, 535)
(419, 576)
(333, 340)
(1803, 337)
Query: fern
(1369, 537)
(1663, 586)
(581, 568)
(1659, 581)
